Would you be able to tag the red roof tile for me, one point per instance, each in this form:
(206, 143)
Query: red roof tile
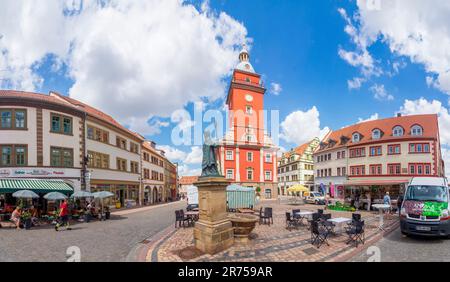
(188, 180)
(429, 123)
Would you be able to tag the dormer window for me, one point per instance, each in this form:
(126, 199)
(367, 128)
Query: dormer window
(398, 131)
(356, 137)
(416, 130)
(376, 134)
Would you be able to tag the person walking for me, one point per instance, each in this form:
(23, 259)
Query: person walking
(63, 216)
(387, 200)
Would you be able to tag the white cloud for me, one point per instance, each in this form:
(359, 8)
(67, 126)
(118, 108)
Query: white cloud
(300, 127)
(275, 88)
(195, 156)
(375, 116)
(172, 153)
(132, 59)
(423, 106)
(355, 83)
(186, 170)
(380, 93)
(419, 32)
(446, 158)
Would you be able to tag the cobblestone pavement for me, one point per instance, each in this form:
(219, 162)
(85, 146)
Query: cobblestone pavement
(269, 243)
(110, 240)
(398, 248)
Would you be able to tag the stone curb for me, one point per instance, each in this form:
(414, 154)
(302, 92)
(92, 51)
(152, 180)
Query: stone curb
(143, 251)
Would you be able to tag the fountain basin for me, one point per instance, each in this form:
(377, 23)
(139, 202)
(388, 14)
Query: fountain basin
(243, 225)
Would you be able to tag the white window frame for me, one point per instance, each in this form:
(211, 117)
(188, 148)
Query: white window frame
(268, 158)
(249, 154)
(376, 134)
(398, 131)
(229, 157)
(228, 172)
(356, 137)
(250, 170)
(248, 109)
(267, 173)
(416, 130)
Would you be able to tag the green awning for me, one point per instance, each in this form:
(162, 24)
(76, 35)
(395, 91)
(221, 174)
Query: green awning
(35, 185)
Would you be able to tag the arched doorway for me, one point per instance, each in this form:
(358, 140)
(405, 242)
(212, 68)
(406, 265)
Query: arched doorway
(147, 195)
(155, 195)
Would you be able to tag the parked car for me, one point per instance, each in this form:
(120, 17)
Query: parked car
(425, 207)
(315, 198)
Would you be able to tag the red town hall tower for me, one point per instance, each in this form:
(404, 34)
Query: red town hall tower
(247, 153)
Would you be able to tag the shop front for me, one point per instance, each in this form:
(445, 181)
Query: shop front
(38, 186)
(364, 193)
(126, 195)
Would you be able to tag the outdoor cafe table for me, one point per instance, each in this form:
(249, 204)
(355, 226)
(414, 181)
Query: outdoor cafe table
(193, 215)
(381, 208)
(303, 214)
(339, 221)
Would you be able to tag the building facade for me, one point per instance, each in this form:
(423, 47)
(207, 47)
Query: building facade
(56, 137)
(247, 153)
(380, 155)
(41, 137)
(297, 167)
(153, 173)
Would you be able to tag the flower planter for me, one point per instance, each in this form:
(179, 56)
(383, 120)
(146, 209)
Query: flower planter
(27, 223)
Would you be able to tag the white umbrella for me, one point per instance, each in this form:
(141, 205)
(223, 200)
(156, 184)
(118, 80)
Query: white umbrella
(102, 194)
(55, 196)
(26, 194)
(82, 194)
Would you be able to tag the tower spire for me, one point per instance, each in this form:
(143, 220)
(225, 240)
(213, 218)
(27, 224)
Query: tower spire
(243, 55)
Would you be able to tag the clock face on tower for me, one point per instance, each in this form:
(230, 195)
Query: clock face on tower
(249, 98)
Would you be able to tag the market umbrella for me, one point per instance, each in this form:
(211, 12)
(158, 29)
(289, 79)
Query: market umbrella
(25, 194)
(55, 196)
(82, 194)
(102, 195)
(298, 188)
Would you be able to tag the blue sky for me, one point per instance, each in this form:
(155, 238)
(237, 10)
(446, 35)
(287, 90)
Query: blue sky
(298, 45)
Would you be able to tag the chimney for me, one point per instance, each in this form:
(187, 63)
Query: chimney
(399, 114)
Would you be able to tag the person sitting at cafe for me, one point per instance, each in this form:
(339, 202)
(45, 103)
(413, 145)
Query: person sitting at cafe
(15, 216)
(34, 216)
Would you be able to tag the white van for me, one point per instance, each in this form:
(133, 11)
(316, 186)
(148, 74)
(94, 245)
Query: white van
(425, 207)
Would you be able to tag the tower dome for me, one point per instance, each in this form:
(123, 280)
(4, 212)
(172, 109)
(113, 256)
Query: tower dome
(244, 61)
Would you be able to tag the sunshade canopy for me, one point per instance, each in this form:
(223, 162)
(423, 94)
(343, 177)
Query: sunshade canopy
(298, 188)
(35, 185)
(25, 194)
(82, 194)
(54, 196)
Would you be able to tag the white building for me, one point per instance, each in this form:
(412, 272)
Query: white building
(297, 167)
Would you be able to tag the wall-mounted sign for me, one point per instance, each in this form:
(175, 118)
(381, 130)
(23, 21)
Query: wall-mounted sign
(38, 172)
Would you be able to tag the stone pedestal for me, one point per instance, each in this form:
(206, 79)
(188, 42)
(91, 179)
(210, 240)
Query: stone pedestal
(213, 232)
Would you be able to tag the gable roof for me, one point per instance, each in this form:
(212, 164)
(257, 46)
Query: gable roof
(429, 123)
(188, 180)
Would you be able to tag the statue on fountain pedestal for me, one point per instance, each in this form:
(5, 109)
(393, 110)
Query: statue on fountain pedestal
(210, 166)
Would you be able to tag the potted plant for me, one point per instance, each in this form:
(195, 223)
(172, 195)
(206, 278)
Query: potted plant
(26, 219)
